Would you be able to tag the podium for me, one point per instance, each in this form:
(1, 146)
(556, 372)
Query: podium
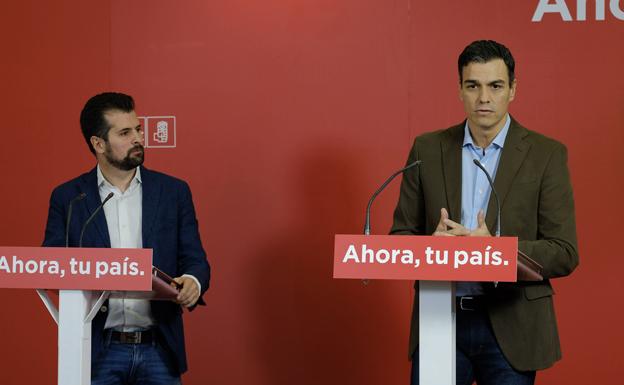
(437, 263)
(84, 278)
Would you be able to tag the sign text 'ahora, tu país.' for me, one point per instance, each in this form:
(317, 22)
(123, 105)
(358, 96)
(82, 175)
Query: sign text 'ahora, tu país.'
(75, 268)
(425, 257)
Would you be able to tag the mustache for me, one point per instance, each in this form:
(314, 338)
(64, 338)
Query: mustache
(137, 147)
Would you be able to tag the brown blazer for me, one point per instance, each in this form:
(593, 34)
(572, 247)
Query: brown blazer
(537, 206)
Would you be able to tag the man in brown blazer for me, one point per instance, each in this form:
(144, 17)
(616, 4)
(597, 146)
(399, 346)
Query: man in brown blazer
(508, 331)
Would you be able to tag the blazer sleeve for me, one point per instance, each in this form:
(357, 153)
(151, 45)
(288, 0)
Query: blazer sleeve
(556, 245)
(55, 225)
(191, 256)
(409, 215)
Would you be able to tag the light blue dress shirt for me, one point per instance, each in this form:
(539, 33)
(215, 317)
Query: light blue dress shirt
(476, 189)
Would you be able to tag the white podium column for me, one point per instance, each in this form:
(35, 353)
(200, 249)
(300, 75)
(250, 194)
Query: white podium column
(436, 333)
(74, 338)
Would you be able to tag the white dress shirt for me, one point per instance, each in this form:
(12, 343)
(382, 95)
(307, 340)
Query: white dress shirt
(124, 213)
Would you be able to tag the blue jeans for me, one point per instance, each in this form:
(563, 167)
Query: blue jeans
(133, 364)
(478, 355)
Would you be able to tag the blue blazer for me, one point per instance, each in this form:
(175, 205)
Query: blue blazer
(169, 229)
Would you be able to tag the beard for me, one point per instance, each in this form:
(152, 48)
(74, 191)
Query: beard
(129, 162)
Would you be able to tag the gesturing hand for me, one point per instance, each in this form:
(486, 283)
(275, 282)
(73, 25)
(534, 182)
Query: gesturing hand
(447, 227)
(482, 229)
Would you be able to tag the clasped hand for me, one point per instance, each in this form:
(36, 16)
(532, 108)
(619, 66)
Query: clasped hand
(449, 228)
(189, 293)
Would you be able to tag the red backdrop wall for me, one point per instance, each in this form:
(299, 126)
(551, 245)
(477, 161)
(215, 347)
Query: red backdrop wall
(289, 114)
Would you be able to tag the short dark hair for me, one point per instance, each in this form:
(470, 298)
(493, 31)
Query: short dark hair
(92, 120)
(482, 51)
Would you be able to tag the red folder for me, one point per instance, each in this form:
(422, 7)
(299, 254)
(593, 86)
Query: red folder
(528, 269)
(162, 288)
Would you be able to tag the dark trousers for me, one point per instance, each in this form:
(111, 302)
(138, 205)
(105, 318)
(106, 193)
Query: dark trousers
(133, 364)
(478, 356)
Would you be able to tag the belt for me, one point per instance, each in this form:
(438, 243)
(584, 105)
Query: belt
(144, 337)
(470, 303)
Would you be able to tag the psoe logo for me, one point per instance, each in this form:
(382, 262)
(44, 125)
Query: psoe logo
(160, 131)
(561, 7)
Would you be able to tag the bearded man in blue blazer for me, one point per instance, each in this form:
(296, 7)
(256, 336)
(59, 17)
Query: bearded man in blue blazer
(133, 341)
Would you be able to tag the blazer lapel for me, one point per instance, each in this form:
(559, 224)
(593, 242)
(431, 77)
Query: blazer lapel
(514, 153)
(151, 197)
(451, 146)
(88, 185)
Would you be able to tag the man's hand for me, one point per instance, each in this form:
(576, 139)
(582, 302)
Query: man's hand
(481, 230)
(449, 228)
(189, 294)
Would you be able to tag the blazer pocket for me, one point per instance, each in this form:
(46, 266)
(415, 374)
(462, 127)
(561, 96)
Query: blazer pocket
(538, 291)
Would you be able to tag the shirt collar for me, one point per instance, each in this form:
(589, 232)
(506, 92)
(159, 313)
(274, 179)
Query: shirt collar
(498, 141)
(101, 181)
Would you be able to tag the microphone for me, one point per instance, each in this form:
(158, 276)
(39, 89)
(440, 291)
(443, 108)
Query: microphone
(84, 227)
(79, 197)
(498, 209)
(380, 189)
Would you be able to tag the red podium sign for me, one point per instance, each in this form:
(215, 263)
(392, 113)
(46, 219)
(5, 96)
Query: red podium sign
(426, 258)
(75, 268)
